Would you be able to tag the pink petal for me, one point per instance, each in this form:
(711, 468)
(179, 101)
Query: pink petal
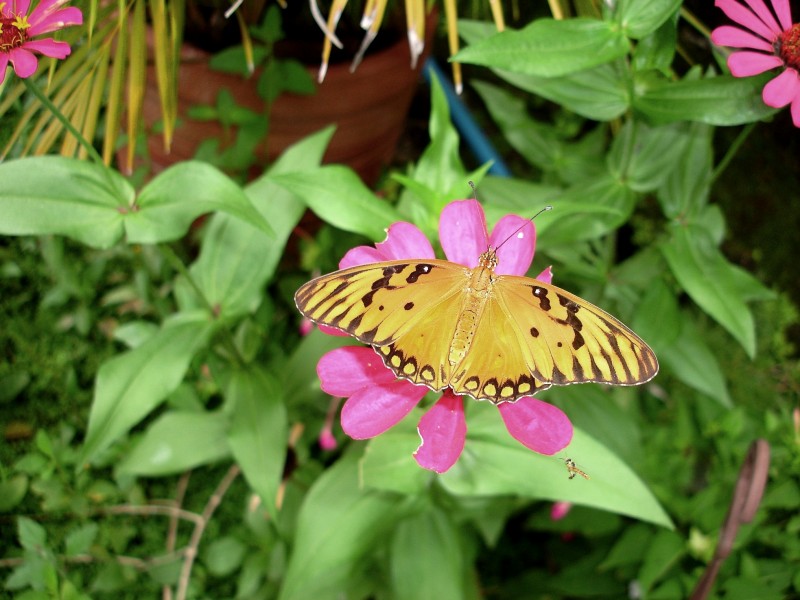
(55, 21)
(559, 510)
(24, 62)
(796, 111)
(741, 15)
(328, 330)
(405, 240)
(373, 410)
(3, 66)
(546, 275)
(784, 13)
(443, 430)
(540, 426)
(764, 14)
(782, 90)
(462, 232)
(738, 38)
(326, 440)
(21, 7)
(49, 47)
(360, 255)
(345, 371)
(745, 64)
(515, 241)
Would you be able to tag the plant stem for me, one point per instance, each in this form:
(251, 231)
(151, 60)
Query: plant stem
(732, 150)
(42, 97)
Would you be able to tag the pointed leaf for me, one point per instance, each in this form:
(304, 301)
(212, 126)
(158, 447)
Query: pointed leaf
(177, 442)
(63, 196)
(639, 19)
(167, 205)
(132, 384)
(704, 273)
(493, 463)
(258, 431)
(549, 48)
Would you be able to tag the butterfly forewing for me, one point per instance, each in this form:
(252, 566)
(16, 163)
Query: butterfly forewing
(570, 340)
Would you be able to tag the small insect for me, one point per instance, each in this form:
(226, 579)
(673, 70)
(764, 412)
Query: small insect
(573, 469)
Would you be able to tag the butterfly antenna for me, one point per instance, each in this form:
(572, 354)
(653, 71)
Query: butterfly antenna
(521, 227)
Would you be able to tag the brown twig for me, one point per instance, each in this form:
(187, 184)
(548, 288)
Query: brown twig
(746, 498)
(199, 528)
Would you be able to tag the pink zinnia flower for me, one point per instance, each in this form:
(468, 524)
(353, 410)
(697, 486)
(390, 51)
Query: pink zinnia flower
(377, 400)
(770, 43)
(17, 27)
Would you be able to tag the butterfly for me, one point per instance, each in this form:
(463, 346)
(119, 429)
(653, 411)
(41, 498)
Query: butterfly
(492, 337)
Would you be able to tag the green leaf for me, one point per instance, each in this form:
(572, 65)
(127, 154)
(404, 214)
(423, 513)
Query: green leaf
(388, 462)
(687, 186)
(691, 360)
(426, 558)
(80, 540)
(657, 50)
(664, 551)
(132, 384)
(237, 259)
(258, 431)
(176, 442)
(704, 273)
(658, 317)
(63, 196)
(337, 195)
(32, 536)
(720, 100)
(493, 464)
(338, 525)
(12, 491)
(169, 204)
(224, 555)
(587, 210)
(549, 48)
(654, 154)
(639, 19)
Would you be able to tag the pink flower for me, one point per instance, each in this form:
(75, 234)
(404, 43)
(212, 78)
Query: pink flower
(559, 510)
(17, 27)
(769, 43)
(377, 400)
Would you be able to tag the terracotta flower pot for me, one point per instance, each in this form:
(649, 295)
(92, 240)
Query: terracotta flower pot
(368, 107)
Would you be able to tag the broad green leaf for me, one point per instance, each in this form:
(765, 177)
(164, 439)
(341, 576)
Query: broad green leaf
(686, 188)
(337, 195)
(388, 463)
(224, 555)
(586, 211)
(63, 196)
(176, 442)
(639, 19)
(720, 100)
(599, 93)
(493, 463)
(237, 259)
(690, 359)
(80, 540)
(32, 536)
(12, 491)
(705, 274)
(167, 205)
(339, 523)
(503, 195)
(426, 558)
(657, 50)
(642, 157)
(258, 431)
(663, 552)
(549, 48)
(129, 386)
(658, 317)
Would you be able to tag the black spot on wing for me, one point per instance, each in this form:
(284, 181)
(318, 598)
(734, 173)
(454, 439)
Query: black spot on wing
(541, 293)
(419, 270)
(408, 306)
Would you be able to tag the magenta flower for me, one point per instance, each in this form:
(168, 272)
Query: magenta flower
(377, 400)
(769, 43)
(17, 27)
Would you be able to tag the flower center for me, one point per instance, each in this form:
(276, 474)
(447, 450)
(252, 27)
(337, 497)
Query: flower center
(788, 46)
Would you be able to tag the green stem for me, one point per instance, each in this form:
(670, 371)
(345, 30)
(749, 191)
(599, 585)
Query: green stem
(177, 264)
(732, 150)
(34, 89)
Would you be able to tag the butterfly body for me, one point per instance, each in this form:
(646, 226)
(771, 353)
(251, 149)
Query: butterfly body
(490, 336)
